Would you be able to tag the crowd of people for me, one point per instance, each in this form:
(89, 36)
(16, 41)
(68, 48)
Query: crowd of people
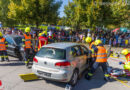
(116, 39)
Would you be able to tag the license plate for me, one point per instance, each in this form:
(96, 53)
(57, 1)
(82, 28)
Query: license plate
(44, 73)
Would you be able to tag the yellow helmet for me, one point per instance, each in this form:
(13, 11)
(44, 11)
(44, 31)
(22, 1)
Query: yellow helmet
(124, 51)
(40, 34)
(1, 35)
(97, 42)
(27, 29)
(88, 39)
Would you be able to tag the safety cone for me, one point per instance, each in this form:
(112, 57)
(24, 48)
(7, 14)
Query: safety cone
(1, 86)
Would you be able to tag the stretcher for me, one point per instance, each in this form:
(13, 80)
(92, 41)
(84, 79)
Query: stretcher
(28, 77)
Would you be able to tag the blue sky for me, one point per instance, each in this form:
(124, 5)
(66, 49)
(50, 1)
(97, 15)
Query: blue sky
(61, 10)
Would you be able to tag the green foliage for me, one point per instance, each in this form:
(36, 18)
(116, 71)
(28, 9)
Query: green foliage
(3, 13)
(92, 13)
(32, 11)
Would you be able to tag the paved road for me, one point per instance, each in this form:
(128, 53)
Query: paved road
(9, 72)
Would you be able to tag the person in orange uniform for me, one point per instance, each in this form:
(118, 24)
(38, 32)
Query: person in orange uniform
(126, 66)
(27, 40)
(43, 40)
(3, 48)
(101, 60)
(91, 44)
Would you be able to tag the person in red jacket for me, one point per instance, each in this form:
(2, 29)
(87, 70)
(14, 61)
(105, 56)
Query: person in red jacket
(126, 64)
(43, 40)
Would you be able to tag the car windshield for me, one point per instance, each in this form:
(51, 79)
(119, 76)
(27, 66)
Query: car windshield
(52, 53)
(18, 40)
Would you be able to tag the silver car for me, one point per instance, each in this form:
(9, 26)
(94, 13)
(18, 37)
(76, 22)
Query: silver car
(62, 62)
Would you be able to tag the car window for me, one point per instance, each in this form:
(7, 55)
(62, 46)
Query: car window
(18, 40)
(9, 40)
(84, 50)
(52, 53)
(73, 52)
(76, 51)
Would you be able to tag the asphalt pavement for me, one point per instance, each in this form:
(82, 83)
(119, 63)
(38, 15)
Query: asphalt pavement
(9, 75)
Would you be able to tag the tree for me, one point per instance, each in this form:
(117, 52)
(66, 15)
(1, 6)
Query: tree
(3, 13)
(82, 13)
(34, 11)
(92, 13)
(119, 12)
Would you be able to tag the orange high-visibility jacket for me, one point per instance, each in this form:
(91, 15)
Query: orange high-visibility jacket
(2, 44)
(28, 43)
(101, 54)
(91, 44)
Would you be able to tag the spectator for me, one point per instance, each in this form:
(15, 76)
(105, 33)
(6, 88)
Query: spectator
(119, 41)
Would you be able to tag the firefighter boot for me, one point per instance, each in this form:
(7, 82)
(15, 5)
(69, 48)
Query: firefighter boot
(88, 76)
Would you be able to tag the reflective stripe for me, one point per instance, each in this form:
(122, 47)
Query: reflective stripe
(102, 54)
(90, 74)
(107, 75)
(2, 46)
(28, 40)
(26, 62)
(23, 39)
(101, 57)
(2, 43)
(6, 56)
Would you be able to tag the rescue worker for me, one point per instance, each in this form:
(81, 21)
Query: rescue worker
(3, 48)
(93, 54)
(43, 40)
(127, 63)
(101, 60)
(27, 40)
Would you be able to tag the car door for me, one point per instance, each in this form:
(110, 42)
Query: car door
(77, 57)
(84, 55)
(11, 45)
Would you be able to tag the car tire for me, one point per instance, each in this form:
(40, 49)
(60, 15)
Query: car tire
(74, 78)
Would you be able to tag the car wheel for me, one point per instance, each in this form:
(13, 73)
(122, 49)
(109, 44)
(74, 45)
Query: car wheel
(74, 78)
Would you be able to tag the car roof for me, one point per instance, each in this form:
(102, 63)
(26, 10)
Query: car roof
(61, 45)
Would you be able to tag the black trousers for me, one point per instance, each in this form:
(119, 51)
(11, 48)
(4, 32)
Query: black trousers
(99, 64)
(3, 55)
(28, 52)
